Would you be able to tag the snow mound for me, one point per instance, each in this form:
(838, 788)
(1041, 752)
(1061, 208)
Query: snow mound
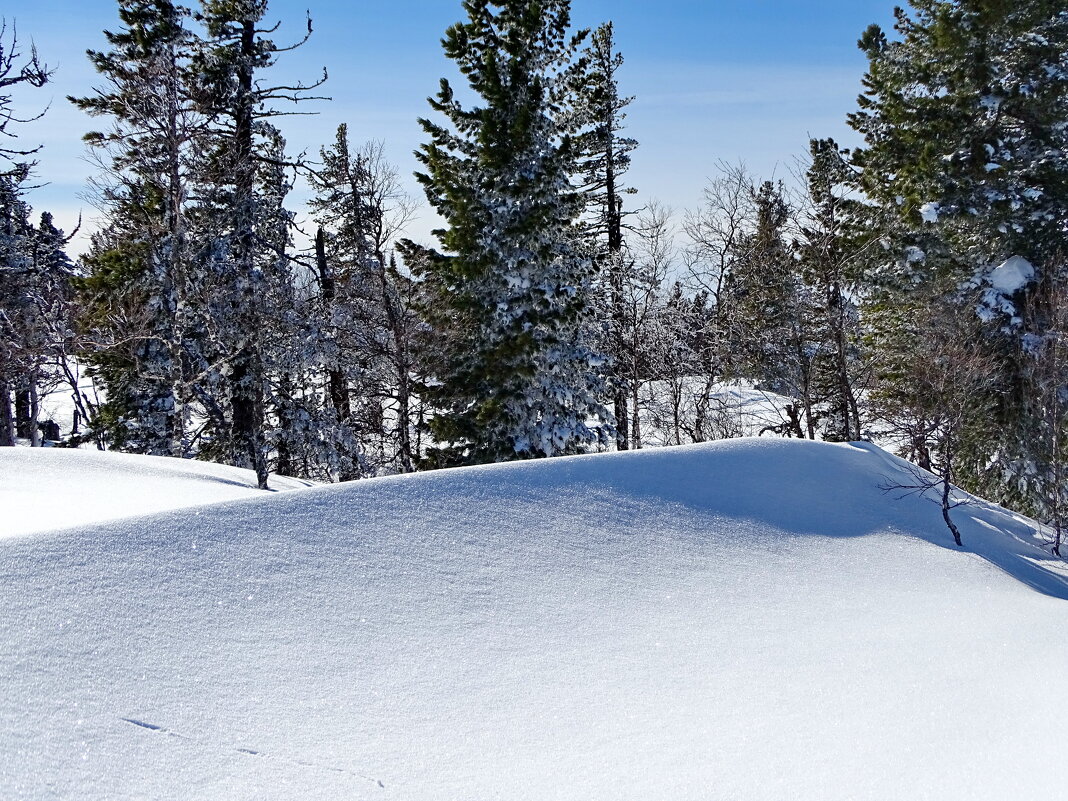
(1012, 275)
(751, 619)
(51, 488)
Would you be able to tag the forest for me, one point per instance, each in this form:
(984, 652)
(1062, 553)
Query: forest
(912, 290)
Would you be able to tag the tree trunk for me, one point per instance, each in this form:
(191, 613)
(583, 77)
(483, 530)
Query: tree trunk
(338, 386)
(7, 418)
(945, 513)
(247, 379)
(635, 420)
(947, 481)
(35, 413)
(284, 463)
(22, 412)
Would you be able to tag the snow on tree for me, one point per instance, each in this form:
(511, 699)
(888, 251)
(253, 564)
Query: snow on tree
(370, 320)
(602, 156)
(34, 272)
(240, 211)
(966, 156)
(508, 294)
(146, 158)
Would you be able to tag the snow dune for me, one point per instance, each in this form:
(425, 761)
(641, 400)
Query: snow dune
(42, 489)
(751, 619)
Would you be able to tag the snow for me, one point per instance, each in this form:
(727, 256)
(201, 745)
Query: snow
(731, 409)
(1004, 281)
(50, 488)
(1012, 275)
(914, 255)
(929, 212)
(752, 619)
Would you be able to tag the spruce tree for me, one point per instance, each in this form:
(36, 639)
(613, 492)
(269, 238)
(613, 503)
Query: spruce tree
(147, 156)
(761, 293)
(239, 212)
(832, 243)
(602, 160)
(509, 291)
(966, 157)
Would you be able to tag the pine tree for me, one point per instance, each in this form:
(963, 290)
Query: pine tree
(761, 295)
(509, 292)
(147, 156)
(602, 160)
(240, 243)
(966, 156)
(831, 245)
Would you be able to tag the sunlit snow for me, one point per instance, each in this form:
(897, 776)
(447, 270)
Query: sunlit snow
(751, 619)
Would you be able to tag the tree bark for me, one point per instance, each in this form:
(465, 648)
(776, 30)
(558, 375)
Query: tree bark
(247, 379)
(22, 412)
(7, 418)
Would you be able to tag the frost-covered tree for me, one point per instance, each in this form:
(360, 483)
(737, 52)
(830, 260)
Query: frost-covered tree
(238, 214)
(603, 158)
(966, 156)
(646, 332)
(147, 156)
(508, 293)
(32, 284)
(369, 320)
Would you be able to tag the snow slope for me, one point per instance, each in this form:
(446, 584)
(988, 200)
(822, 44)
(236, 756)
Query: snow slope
(751, 619)
(42, 489)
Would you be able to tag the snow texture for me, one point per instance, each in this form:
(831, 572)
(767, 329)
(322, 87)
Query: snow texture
(750, 619)
(50, 488)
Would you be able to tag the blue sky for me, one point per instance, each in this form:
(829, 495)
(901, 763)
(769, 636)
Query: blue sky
(733, 80)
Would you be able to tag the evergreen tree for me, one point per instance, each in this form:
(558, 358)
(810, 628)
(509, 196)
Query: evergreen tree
(18, 329)
(966, 157)
(147, 156)
(602, 160)
(509, 292)
(762, 295)
(240, 243)
(367, 302)
(831, 245)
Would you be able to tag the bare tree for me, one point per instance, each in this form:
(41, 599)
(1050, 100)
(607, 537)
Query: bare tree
(938, 383)
(16, 69)
(716, 232)
(645, 334)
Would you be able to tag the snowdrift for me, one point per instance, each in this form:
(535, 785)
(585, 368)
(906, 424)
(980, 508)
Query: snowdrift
(751, 619)
(42, 489)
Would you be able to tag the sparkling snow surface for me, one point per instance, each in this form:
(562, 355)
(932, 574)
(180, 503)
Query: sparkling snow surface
(42, 489)
(752, 619)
